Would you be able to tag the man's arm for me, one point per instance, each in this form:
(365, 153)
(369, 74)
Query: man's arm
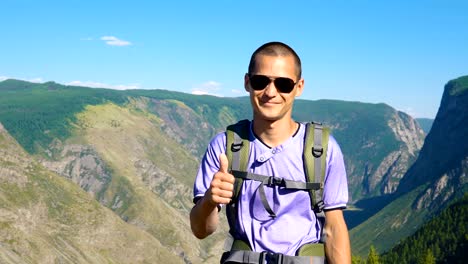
(337, 246)
(204, 215)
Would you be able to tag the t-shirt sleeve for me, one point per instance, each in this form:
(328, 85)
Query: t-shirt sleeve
(335, 194)
(209, 165)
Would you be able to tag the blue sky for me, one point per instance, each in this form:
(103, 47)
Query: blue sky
(397, 52)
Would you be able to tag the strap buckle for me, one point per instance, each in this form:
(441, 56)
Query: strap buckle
(275, 181)
(236, 147)
(270, 257)
(317, 152)
(318, 207)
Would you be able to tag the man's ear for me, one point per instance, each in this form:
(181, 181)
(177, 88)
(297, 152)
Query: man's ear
(246, 82)
(299, 87)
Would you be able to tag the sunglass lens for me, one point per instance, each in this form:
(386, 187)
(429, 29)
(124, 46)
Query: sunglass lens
(259, 82)
(284, 85)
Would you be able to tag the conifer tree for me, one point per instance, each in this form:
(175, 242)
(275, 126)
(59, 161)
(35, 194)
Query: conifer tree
(429, 258)
(357, 260)
(373, 257)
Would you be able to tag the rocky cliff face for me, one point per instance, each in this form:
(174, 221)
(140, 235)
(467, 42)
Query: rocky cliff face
(438, 176)
(408, 132)
(442, 163)
(79, 163)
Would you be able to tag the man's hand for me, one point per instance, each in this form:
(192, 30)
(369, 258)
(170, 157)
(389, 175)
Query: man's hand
(222, 185)
(204, 215)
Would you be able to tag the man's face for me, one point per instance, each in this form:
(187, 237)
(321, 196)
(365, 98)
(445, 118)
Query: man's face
(270, 104)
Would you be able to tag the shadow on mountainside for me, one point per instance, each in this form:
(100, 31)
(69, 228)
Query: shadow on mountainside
(364, 209)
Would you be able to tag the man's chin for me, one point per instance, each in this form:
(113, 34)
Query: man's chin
(271, 117)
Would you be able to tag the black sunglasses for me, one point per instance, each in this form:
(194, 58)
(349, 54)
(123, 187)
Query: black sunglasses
(260, 82)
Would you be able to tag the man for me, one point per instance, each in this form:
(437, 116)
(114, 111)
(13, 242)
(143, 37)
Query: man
(273, 82)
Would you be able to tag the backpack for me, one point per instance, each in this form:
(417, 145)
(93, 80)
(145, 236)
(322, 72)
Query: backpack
(314, 159)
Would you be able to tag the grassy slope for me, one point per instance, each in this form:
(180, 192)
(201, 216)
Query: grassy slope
(45, 218)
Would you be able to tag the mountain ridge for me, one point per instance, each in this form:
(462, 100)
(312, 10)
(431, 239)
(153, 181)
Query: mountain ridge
(137, 151)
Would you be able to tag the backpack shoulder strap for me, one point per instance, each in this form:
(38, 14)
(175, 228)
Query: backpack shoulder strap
(314, 157)
(237, 152)
(237, 145)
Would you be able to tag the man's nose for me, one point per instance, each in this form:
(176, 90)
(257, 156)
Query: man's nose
(271, 90)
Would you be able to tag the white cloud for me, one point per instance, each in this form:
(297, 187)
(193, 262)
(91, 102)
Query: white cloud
(410, 111)
(104, 85)
(36, 80)
(208, 88)
(2, 78)
(237, 91)
(113, 41)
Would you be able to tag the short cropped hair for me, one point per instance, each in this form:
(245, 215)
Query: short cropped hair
(276, 49)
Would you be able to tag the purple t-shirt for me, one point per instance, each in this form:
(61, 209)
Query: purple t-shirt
(295, 223)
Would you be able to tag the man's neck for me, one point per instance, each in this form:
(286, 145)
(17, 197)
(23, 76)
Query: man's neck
(274, 133)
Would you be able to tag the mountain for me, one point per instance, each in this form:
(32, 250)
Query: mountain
(111, 147)
(446, 149)
(438, 176)
(45, 218)
(425, 124)
(136, 152)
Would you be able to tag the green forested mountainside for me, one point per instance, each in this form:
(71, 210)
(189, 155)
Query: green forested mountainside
(425, 123)
(445, 236)
(35, 114)
(45, 218)
(137, 151)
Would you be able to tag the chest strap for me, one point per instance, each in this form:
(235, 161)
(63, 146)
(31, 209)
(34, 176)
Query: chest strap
(271, 181)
